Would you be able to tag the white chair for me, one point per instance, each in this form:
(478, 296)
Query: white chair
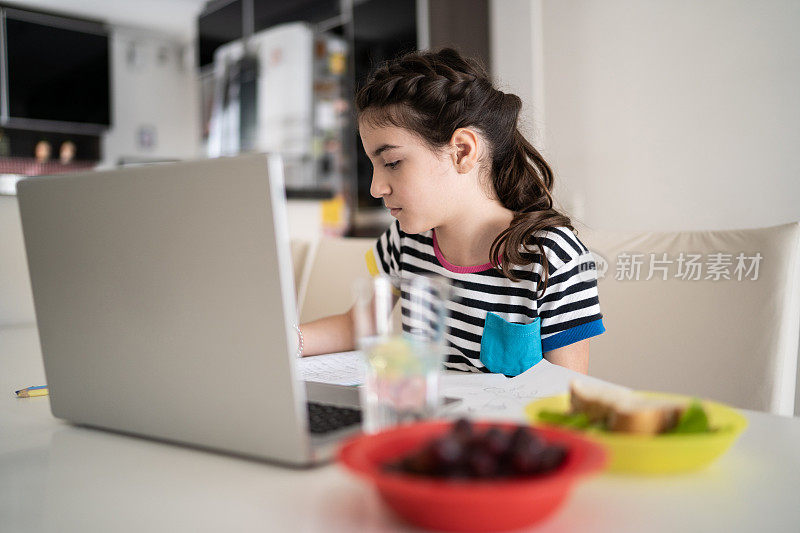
(16, 299)
(728, 340)
(299, 250)
(331, 268)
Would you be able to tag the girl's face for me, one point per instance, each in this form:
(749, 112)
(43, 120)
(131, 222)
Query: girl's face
(416, 183)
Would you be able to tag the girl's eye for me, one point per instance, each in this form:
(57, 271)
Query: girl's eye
(392, 165)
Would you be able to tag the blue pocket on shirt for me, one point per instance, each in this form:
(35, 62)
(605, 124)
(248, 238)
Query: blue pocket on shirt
(508, 348)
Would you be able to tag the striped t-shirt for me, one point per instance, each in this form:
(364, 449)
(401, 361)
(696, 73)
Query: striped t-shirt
(569, 308)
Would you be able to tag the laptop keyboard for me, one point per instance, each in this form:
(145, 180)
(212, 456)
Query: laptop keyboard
(324, 418)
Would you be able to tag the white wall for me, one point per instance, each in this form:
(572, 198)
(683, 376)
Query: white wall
(512, 42)
(517, 62)
(664, 115)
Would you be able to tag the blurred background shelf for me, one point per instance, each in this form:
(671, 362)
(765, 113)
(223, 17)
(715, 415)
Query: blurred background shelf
(236, 76)
(349, 39)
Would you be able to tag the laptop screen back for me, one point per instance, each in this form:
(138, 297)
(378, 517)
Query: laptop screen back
(165, 301)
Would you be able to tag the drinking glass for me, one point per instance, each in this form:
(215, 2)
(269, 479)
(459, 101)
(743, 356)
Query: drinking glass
(403, 363)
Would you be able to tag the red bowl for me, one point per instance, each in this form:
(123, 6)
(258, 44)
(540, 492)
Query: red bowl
(467, 505)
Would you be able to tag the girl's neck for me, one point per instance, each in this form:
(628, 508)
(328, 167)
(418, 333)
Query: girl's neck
(466, 241)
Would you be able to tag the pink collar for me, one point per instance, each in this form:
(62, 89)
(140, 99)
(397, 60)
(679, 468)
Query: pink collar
(455, 268)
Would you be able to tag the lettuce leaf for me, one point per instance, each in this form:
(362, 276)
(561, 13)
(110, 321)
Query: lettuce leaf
(576, 421)
(693, 420)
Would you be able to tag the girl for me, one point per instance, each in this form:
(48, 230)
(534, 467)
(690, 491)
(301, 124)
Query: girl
(473, 203)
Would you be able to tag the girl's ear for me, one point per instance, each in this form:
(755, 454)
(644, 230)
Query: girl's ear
(464, 149)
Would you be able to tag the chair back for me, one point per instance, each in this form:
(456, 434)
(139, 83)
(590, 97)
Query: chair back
(326, 287)
(299, 249)
(332, 267)
(714, 314)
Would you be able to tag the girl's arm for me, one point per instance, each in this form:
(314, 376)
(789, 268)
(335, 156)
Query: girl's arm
(329, 335)
(573, 356)
(333, 333)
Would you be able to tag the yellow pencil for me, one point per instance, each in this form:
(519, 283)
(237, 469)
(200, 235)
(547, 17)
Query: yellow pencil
(30, 392)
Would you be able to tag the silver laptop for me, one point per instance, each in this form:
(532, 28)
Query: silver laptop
(165, 301)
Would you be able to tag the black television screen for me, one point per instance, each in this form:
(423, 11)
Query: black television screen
(57, 73)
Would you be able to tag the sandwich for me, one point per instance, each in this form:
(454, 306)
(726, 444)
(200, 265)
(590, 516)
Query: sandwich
(620, 409)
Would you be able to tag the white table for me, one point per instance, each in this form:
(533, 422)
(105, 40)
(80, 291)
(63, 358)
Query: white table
(59, 477)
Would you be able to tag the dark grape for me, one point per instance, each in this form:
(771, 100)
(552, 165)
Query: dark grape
(526, 459)
(422, 462)
(496, 441)
(464, 453)
(447, 450)
(462, 429)
(552, 457)
(481, 464)
(523, 438)
(459, 471)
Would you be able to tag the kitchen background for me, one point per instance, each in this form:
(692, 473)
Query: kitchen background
(655, 115)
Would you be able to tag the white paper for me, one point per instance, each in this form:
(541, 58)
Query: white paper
(343, 368)
(497, 397)
(491, 396)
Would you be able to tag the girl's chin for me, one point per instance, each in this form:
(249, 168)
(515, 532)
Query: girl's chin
(406, 227)
(412, 228)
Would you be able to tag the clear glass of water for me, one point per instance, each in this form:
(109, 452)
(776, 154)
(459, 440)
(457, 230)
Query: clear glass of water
(403, 363)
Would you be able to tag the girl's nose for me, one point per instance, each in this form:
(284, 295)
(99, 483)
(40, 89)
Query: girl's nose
(379, 188)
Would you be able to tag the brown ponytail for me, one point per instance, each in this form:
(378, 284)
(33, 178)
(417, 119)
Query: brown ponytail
(434, 93)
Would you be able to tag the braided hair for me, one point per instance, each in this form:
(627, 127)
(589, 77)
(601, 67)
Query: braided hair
(434, 93)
